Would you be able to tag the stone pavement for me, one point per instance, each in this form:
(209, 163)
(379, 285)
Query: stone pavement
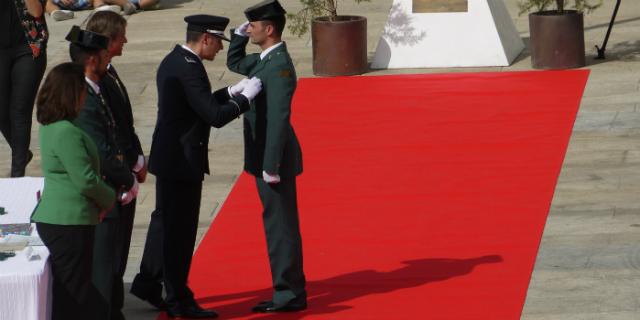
(589, 259)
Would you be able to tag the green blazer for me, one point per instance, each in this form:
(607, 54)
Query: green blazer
(269, 139)
(74, 193)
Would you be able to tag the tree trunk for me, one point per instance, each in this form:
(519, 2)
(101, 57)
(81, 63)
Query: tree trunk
(560, 4)
(331, 6)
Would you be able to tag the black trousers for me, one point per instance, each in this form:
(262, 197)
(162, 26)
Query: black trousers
(20, 76)
(284, 243)
(70, 256)
(111, 250)
(148, 281)
(179, 203)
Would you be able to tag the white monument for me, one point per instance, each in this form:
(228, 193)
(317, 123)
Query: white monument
(483, 35)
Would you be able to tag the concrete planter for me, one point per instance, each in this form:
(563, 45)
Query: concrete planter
(339, 46)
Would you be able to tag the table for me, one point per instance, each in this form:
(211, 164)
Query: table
(25, 286)
(19, 197)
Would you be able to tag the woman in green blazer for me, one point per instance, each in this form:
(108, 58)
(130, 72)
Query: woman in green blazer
(74, 195)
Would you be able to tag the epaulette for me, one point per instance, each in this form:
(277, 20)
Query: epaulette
(189, 60)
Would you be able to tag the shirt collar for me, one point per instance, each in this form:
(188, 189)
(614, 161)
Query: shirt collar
(94, 86)
(266, 51)
(189, 49)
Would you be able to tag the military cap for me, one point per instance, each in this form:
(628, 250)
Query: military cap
(87, 39)
(265, 10)
(205, 23)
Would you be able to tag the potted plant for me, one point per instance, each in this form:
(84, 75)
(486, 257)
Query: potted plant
(557, 35)
(339, 42)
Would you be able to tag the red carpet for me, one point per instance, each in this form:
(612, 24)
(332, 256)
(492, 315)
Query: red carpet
(423, 197)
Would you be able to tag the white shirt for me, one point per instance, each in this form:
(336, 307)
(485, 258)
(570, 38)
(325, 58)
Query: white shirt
(266, 51)
(189, 49)
(93, 85)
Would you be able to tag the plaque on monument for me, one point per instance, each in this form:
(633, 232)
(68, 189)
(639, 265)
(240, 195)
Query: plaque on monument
(435, 6)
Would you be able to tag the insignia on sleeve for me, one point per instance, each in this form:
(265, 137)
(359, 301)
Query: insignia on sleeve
(189, 60)
(286, 73)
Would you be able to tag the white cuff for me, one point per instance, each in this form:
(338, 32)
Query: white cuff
(139, 164)
(270, 178)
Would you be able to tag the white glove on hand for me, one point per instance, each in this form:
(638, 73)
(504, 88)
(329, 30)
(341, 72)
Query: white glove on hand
(270, 178)
(242, 29)
(131, 194)
(252, 88)
(235, 89)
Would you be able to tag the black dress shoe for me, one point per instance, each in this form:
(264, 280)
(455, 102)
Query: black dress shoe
(191, 312)
(269, 306)
(18, 168)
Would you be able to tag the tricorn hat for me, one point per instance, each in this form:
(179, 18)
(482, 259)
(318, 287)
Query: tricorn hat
(87, 39)
(265, 10)
(205, 23)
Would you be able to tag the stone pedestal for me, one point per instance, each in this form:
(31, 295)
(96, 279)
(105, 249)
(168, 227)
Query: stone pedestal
(433, 33)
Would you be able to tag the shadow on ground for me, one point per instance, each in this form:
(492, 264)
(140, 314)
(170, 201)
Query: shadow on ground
(333, 295)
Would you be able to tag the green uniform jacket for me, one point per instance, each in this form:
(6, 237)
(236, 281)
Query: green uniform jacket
(97, 121)
(269, 139)
(74, 193)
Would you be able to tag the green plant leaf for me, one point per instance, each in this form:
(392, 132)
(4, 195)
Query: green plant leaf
(298, 23)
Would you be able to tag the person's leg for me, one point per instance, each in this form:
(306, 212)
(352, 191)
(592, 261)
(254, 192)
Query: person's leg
(114, 5)
(51, 6)
(58, 11)
(26, 75)
(70, 257)
(180, 205)
(123, 240)
(284, 243)
(147, 284)
(146, 4)
(5, 93)
(104, 259)
(120, 3)
(97, 3)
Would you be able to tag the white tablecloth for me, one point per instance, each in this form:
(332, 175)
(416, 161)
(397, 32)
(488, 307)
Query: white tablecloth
(25, 286)
(18, 196)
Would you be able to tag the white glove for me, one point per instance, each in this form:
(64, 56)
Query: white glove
(252, 88)
(235, 89)
(128, 196)
(139, 164)
(270, 178)
(242, 29)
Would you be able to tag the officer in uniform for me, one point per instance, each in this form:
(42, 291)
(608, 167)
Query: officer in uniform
(187, 109)
(272, 151)
(97, 120)
(112, 258)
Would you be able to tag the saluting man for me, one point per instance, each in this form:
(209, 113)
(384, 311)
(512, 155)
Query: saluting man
(272, 151)
(187, 109)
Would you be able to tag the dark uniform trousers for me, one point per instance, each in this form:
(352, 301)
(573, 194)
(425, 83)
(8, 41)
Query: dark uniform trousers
(111, 250)
(149, 279)
(179, 202)
(70, 256)
(284, 243)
